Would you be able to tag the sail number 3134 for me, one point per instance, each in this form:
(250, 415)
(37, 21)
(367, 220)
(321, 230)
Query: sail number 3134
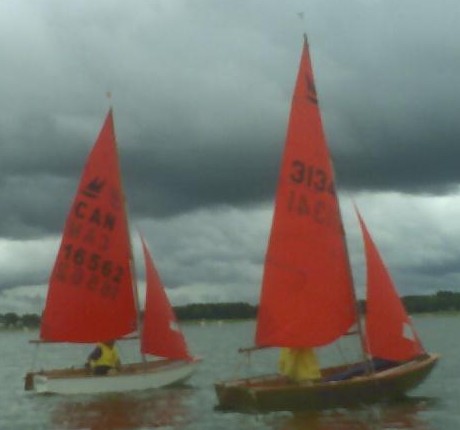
(311, 176)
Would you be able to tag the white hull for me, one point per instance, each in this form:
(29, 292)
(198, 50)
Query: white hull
(137, 376)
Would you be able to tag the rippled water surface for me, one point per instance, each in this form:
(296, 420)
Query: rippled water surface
(435, 405)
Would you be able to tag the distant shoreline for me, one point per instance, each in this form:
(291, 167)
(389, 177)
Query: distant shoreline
(442, 301)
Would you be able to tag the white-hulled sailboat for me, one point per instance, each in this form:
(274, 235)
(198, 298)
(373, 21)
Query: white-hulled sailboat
(92, 294)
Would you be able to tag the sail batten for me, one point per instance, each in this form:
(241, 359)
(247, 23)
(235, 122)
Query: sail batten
(90, 296)
(307, 294)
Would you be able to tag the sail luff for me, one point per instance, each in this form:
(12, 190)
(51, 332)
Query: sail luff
(307, 296)
(132, 263)
(359, 324)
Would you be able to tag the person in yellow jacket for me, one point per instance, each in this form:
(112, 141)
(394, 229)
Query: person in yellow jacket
(104, 359)
(299, 364)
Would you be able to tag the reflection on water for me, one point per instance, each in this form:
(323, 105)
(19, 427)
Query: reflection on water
(403, 415)
(192, 407)
(154, 409)
(171, 409)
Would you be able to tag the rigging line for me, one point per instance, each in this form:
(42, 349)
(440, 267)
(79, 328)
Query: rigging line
(341, 353)
(35, 356)
(132, 266)
(360, 327)
(245, 360)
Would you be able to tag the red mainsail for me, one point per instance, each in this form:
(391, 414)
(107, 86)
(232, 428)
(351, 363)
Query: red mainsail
(161, 335)
(90, 296)
(389, 332)
(307, 294)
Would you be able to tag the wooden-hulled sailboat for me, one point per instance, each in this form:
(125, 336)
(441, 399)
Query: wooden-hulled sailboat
(307, 297)
(92, 295)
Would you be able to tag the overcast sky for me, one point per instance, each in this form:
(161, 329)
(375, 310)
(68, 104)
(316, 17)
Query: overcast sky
(201, 91)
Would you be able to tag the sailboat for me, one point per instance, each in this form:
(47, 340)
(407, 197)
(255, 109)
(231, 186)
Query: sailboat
(307, 295)
(92, 295)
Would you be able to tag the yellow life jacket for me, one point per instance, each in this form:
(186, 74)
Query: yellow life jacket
(109, 357)
(299, 364)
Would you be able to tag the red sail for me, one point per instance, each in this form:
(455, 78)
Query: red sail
(90, 296)
(161, 335)
(307, 293)
(389, 331)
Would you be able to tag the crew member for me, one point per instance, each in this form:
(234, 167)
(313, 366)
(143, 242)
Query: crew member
(104, 359)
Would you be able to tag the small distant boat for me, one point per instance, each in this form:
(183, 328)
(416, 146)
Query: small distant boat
(92, 295)
(307, 298)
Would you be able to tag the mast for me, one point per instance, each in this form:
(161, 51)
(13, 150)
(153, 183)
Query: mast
(359, 324)
(350, 274)
(131, 258)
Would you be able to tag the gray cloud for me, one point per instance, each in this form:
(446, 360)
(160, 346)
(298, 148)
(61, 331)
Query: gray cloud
(201, 95)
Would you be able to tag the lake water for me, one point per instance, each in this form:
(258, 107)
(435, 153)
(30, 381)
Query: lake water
(435, 405)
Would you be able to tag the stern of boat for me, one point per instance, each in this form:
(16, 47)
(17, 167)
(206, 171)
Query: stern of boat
(234, 395)
(29, 381)
(35, 381)
(244, 394)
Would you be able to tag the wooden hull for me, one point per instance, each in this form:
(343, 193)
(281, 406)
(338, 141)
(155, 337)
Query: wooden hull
(136, 376)
(275, 393)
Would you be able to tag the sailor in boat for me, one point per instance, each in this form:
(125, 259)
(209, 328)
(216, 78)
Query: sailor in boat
(104, 359)
(299, 364)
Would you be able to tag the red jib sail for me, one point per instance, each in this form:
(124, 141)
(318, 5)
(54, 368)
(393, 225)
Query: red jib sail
(307, 293)
(389, 332)
(161, 335)
(90, 296)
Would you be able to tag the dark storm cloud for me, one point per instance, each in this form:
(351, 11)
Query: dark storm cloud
(390, 91)
(40, 165)
(402, 132)
(201, 96)
(211, 109)
(168, 182)
(165, 173)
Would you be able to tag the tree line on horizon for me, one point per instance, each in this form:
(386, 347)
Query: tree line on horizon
(442, 301)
